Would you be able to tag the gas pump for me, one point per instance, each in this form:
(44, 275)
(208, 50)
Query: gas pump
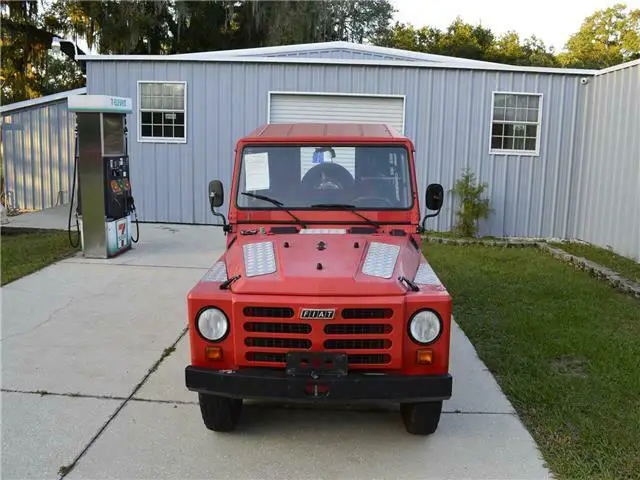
(105, 201)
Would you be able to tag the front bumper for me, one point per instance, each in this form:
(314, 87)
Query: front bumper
(275, 384)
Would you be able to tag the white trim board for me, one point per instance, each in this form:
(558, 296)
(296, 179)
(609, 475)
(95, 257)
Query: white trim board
(615, 68)
(518, 153)
(340, 94)
(139, 120)
(41, 100)
(334, 61)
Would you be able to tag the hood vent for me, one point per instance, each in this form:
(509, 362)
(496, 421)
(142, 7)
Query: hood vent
(259, 258)
(217, 273)
(381, 260)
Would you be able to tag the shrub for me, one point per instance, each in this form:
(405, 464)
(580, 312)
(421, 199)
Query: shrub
(472, 206)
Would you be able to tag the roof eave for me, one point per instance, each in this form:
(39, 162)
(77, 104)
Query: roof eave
(42, 100)
(332, 61)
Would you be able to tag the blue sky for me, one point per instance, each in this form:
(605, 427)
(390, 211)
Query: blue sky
(551, 20)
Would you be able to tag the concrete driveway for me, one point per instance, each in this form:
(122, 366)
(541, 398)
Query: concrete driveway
(92, 388)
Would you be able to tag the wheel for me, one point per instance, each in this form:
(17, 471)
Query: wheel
(421, 418)
(220, 414)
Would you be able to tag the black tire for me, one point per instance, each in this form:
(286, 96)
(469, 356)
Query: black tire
(421, 418)
(220, 414)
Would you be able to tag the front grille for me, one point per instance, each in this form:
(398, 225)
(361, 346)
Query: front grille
(272, 327)
(369, 359)
(268, 312)
(366, 335)
(266, 357)
(357, 329)
(277, 342)
(363, 313)
(359, 359)
(357, 344)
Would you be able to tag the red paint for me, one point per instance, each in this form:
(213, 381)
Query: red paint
(340, 284)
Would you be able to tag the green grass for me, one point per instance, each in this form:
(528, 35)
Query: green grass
(564, 347)
(433, 233)
(624, 266)
(26, 251)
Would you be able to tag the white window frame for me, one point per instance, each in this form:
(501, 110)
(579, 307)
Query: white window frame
(521, 153)
(340, 94)
(142, 139)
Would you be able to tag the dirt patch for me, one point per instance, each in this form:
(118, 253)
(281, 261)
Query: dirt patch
(569, 366)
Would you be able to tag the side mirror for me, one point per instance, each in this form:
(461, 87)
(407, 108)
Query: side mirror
(434, 196)
(216, 193)
(433, 200)
(216, 199)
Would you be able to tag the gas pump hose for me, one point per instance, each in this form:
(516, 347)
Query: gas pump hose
(73, 192)
(132, 205)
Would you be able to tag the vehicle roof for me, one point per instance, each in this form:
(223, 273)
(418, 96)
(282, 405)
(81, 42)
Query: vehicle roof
(325, 130)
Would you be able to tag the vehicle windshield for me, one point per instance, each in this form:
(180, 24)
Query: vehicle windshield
(366, 177)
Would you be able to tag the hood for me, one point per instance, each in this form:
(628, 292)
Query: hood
(322, 264)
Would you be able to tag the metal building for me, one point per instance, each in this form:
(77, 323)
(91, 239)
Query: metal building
(38, 151)
(528, 132)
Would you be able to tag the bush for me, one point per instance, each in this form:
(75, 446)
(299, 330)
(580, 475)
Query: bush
(472, 206)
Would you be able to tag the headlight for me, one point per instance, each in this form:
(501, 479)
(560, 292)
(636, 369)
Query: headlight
(425, 326)
(213, 324)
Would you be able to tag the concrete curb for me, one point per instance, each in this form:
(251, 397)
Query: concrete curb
(612, 277)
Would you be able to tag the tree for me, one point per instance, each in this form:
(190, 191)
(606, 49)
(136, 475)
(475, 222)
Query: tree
(606, 38)
(465, 40)
(472, 206)
(508, 48)
(28, 68)
(469, 41)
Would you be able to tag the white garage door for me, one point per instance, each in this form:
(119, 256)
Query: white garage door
(314, 108)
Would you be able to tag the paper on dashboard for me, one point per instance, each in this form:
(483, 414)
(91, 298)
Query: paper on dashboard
(256, 167)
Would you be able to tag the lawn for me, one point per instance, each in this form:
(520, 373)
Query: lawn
(564, 347)
(624, 266)
(26, 251)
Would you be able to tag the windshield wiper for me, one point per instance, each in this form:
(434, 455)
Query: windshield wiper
(275, 202)
(344, 206)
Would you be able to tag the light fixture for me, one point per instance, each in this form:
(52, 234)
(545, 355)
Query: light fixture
(55, 45)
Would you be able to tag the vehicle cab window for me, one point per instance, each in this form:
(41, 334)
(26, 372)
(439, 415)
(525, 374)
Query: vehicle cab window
(366, 177)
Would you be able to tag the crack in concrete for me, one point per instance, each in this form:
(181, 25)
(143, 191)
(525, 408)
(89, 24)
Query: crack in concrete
(48, 319)
(181, 267)
(66, 469)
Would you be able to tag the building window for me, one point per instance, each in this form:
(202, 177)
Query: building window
(162, 109)
(515, 126)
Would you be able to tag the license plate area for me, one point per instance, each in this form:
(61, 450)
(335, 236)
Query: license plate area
(316, 364)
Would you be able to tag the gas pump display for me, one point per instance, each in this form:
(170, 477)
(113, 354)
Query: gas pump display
(105, 200)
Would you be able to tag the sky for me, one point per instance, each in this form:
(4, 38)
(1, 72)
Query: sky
(550, 20)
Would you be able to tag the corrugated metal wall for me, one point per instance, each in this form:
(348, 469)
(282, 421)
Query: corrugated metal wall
(448, 115)
(37, 155)
(608, 175)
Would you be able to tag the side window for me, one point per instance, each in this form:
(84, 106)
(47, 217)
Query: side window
(515, 124)
(162, 111)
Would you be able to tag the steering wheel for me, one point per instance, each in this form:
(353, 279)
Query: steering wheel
(370, 198)
(328, 176)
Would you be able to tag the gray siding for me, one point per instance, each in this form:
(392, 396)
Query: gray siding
(608, 198)
(448, 115)
(37, 155)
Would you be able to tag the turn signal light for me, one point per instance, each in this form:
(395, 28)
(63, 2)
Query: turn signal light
(213, 353)
(424, 357)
